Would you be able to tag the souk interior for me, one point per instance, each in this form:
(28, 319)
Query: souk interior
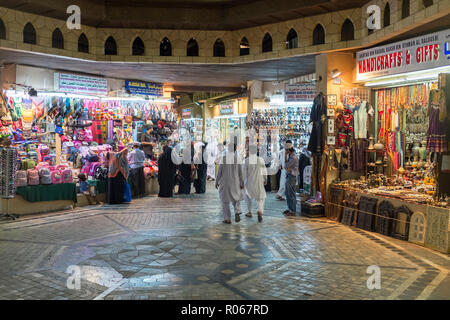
(375, 158)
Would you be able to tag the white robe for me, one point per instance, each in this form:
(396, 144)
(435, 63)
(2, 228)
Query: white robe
(230, 177)
(212, 151)
(255, 174)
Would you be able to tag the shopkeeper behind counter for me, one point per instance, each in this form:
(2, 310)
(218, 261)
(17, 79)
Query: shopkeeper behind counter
(147, 141)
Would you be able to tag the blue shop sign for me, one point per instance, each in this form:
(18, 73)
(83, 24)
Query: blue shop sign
(144, 88)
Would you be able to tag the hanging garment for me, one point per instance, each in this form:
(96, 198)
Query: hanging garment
(437, 130)
(318, 111)
(97, 132)
(303, 162)
(360, 120)
(359, 156)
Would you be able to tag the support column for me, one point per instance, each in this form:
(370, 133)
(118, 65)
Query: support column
(205, 105)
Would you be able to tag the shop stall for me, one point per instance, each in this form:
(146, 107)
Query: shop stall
(387, 143)
(61, 134)
(228, 118)
(286, 115)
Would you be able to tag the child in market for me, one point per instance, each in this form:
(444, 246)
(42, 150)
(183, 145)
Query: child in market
(87, 190)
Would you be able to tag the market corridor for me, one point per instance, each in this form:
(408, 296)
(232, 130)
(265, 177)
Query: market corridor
(180, 249)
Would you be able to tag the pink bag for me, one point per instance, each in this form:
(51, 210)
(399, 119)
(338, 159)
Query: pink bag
(88, 135)
(33, 177)
(66, 176)
(56, 177)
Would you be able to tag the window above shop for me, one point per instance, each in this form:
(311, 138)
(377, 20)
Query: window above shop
(110, 47)
(57, 39)
(138, 47)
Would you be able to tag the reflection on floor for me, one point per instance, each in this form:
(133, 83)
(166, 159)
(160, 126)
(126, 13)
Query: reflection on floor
(179, 249)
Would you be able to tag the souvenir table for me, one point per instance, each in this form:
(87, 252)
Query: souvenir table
(52, 192)
(420, 219)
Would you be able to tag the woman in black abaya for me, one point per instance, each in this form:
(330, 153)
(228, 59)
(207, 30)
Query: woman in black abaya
(166, 173)
(117, 176)
(186, 168)
(200, 182)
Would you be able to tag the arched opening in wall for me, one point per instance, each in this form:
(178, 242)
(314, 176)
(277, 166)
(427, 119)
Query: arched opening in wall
(57, 39)
(244, 47)
(2, 30)
(83, 43)
(347, 31)
(219, 48)
(292, 39)
(192, 48)
(138, 48)
(29, 34)
(110, 47)
(165, 48)
(267, 43)
(427, 3)
(387, 15)
(405, 9)
(318, 35)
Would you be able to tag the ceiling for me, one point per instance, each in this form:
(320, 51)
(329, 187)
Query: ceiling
(184, 77)
(179, 14)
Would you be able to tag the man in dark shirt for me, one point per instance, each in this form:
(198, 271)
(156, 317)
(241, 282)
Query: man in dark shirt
(147, 143)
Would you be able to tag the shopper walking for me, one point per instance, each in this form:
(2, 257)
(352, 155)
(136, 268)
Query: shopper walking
(255, 177)
(201, 167)
(117, 177)
(137, 180)
(166, 173)
(186, 169)
(291, 167)
(212, 151)
(230, 182)
(282, 161)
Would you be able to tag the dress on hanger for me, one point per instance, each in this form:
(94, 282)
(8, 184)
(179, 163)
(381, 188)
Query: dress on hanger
(318, 110)
(437, 130)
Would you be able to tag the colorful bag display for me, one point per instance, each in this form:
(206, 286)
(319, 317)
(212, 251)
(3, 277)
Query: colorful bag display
(45, 176)
(33, 177)
(56, 177)
(66, 176)
(21, 178)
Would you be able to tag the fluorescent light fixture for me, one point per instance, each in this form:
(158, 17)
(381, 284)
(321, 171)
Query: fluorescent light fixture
(231, 116)
(424, 75)
(382, 83)
(80, 96)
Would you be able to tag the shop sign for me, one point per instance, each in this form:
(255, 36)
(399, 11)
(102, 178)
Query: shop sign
(74, 83)
(144, 88)
(300, 92)
(226, 109)
(420, 53)
(186, 113)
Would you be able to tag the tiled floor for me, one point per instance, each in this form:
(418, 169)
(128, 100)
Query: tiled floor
(179, 249)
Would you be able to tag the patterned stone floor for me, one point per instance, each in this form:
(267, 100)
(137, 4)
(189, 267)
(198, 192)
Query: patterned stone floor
(179, 249)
